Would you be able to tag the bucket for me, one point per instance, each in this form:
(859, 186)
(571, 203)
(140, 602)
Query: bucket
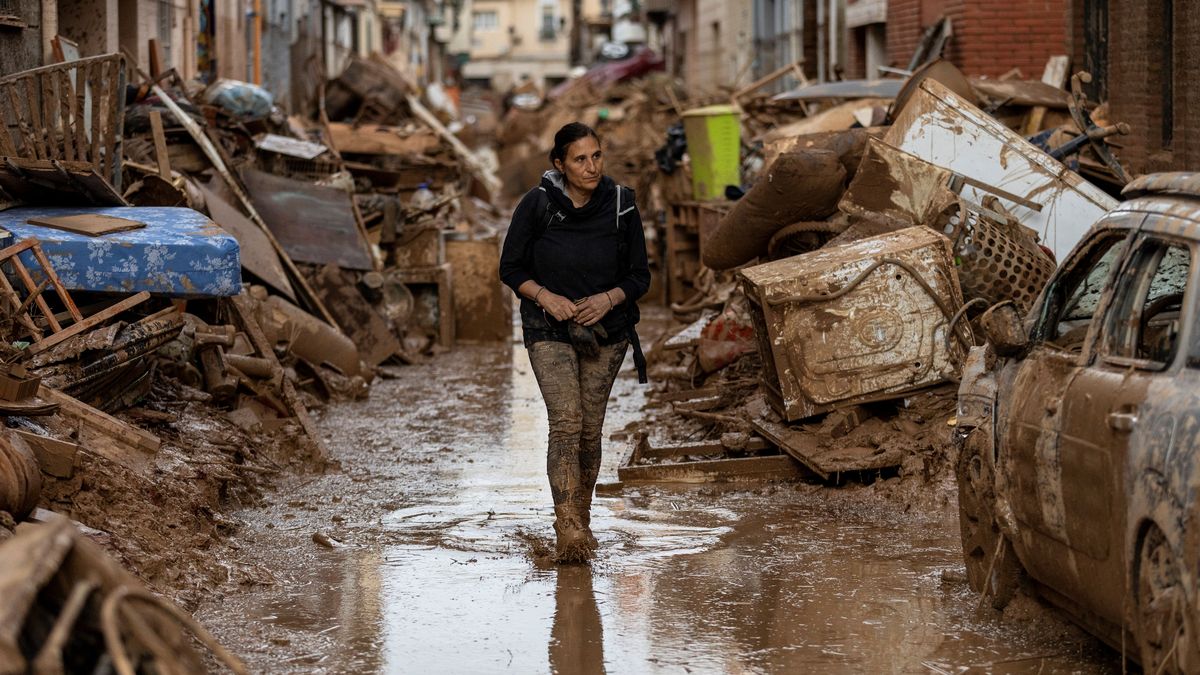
(714, 138)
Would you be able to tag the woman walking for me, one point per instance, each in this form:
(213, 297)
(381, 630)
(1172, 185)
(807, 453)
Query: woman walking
(575, 253)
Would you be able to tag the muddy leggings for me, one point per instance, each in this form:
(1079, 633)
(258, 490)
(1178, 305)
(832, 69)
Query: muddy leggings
(575, 388)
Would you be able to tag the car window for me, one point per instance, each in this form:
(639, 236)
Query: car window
(1074, 298)
(1145, 320)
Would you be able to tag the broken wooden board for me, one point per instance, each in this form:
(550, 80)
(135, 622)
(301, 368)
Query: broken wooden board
(55, 458)
(103, 435)
(58, 182)
(373, 139)
(313, 223)
(257, 254)
(86, 324)
(375, 340)
(482, 305)
(91, 224)
(826, 462)
(764, 467)
(244, 313)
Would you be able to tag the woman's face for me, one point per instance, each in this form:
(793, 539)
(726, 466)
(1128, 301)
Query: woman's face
(583, 164)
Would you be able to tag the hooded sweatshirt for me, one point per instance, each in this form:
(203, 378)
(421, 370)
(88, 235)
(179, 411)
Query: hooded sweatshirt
(577, 255)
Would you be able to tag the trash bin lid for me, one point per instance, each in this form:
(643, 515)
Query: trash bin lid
(712, 111)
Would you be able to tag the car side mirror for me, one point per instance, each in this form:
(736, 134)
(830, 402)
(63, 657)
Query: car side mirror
(1004, 329)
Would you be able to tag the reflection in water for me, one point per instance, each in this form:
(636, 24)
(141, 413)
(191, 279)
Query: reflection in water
(577, 637)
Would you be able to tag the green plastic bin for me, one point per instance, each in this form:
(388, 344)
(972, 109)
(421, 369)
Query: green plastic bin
(714, 138)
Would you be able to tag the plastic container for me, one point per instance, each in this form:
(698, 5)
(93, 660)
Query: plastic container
(714, 139)
(423, 198)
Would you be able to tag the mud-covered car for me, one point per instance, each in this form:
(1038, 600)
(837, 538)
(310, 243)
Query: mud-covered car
(1078, 426)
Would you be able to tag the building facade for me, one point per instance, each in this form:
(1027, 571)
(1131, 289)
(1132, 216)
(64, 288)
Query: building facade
(514, 41)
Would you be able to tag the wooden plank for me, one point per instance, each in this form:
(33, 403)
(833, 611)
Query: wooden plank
(66, 102)
(35, 117)
(82, 101)
(96, 86)
(778, 434)
(88, 323)
(63, 295)
(241, 308)
(155, 58)
(73, 407)
(755, 445)
(16, 104)
(790, 69)
(116, 122)
(8, 147)
(46, 85)
(34, 331)
(56, 458)
(90, 224)
(827, 461)
(23, 274)
(1054, 75)
(775, 467)
(160, 144)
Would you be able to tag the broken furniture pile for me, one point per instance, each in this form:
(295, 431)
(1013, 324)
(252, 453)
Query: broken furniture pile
(184, 276)
(835, 301)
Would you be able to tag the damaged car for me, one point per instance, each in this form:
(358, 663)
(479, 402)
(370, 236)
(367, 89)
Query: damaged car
(1078, 433)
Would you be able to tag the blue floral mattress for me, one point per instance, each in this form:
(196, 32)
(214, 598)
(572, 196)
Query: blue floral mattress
(180, 252)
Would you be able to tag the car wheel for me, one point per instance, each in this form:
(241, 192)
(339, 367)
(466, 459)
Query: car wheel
(992, 566)
(1163, 641)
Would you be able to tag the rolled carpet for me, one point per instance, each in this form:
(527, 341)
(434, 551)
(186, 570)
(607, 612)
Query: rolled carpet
(803, 185)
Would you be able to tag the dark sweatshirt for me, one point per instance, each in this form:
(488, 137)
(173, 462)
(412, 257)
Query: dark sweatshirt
(576, 256)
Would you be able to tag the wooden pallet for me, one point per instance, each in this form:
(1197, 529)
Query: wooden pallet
(714, 467)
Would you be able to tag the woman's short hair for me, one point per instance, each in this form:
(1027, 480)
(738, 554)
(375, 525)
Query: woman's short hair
(568, 135)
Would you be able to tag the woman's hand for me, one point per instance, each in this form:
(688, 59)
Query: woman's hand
(593, 308)
(559, 307)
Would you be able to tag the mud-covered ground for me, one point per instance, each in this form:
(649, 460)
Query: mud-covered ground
(418, 556)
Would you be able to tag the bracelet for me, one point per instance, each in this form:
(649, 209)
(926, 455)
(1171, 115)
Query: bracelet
(610, 302)
(538, 295)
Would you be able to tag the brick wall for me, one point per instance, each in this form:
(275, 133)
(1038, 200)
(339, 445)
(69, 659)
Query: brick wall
(1136, 73)
(990, 36)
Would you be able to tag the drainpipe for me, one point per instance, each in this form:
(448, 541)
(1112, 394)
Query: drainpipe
(821, 41)
(49, 29)
(257, 41)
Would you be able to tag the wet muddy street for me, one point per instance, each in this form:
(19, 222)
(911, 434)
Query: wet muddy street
(442, 492)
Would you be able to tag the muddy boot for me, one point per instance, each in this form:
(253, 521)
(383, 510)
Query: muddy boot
(585, 519)
(572, 546)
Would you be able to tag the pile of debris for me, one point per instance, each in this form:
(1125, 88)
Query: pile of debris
(185, 273)
(827, 312)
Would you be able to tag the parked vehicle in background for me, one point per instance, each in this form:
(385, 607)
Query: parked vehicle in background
(1078, 430)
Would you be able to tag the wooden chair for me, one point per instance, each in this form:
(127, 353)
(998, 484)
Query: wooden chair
(73, 111)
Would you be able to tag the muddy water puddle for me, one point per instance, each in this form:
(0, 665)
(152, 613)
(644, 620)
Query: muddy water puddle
(442, 490)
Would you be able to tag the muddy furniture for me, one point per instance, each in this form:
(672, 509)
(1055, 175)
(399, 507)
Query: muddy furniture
(861, 322)
(69, 112)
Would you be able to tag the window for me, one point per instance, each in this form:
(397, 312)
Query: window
(1074, 298)
(1144, 323)
(548, 31)
(485, 21)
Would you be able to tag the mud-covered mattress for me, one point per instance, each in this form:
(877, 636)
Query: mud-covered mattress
(179, 252)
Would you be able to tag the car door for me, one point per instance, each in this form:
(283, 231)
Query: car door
(1105, 403)
(1029, 429)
